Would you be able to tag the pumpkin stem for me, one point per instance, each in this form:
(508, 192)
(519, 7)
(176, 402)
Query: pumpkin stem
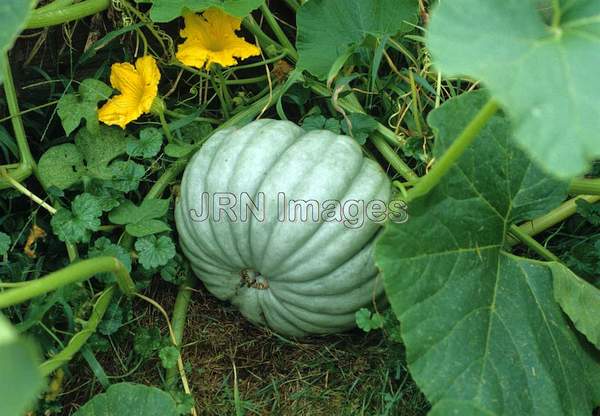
(252, 278)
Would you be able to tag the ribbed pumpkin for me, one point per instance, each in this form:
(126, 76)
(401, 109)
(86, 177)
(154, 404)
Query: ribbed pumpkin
(297, 277)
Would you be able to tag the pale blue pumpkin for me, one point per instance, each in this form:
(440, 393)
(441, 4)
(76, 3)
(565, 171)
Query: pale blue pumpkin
(298, 278)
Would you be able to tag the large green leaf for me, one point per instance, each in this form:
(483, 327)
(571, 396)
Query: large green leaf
(580, 300)
(328, 29)
(482, 330)
(148, 145)
(154, 252)
(63, 165)
(20, 379)
(71, 108)
(13, 17)
(167, 10)
(100, 147)
(141, 221)
(126, 399)
(544, 77)
(129, 213)
(77, 224)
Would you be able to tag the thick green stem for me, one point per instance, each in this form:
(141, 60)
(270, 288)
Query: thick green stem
(260, 63)
(270, 47)
(200, 119)
(279, 34)
(246, 81)
(455, 151)
(19, 174)
(59, 16)
(74, 273)
(585, 186)
(389, 136)
(17, 185)
(56, 4)
(554, 217)
(80, 338)
(219, 90)
(556, 13)
(393, 159)
(26, 162)
(532, 244)
(165, 127)
(223, 88)
(182, 303)
(293, 4)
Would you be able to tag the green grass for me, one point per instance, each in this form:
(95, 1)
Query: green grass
(348, 374)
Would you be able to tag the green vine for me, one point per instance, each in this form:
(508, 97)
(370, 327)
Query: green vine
(585, 186)
(57, 16)
(530, 242)
(74, 273)
(79, 339)
(26, 161)
(182, 303)
(456, 149)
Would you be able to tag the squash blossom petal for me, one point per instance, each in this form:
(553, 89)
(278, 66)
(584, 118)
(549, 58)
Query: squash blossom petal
(138, 86)
(211, 38)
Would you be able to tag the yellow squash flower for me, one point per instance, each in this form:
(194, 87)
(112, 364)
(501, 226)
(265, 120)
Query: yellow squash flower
(211, 38)
(138, 86)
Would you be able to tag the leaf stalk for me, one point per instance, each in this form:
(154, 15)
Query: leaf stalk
(26, 160)
(74, 273)
(57, 16)
(79, 339)
(533, 244)
(454, 152)
(585, 186)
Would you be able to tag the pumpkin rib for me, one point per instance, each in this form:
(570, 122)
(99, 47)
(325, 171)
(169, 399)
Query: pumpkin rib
(197, 242)
(326, 304)
(329, 323)
(200, 230)
(213, 280)
(272, 312)
(325, 321)
(218, 175)
(295, 260)
(252, 222)
(288, 138)
(192, 246)
(259, 264)
(249, 304)
(329, 284)
(302, 324)
(213, 276)
(203, 263)
(222, 285)
(300, 243)
(357, 296)
(231, 235)
(206, 176)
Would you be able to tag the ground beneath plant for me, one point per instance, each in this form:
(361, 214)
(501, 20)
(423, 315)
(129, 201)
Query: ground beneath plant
(347, 374)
